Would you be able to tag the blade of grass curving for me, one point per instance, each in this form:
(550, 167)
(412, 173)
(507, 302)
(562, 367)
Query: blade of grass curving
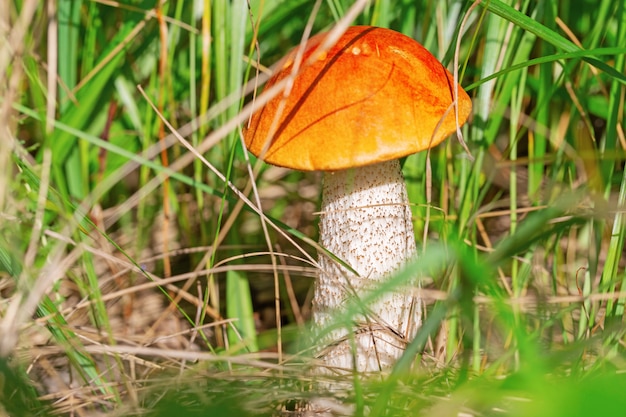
(429, 327)
(608, 51)
(436, 259)
(537, 226)
(529, 24)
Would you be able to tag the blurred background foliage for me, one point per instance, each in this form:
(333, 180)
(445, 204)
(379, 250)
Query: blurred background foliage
(127, 263)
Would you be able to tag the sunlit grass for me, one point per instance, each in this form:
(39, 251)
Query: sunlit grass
(138, 276)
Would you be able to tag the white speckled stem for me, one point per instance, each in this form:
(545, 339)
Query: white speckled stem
(366, 222)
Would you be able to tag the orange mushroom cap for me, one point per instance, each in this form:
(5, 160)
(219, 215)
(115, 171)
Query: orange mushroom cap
(374, 96)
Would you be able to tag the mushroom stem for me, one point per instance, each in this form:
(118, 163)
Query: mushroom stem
(366, 222)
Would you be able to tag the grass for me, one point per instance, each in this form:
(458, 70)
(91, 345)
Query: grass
(138, 274)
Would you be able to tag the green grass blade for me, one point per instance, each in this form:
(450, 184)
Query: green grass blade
(239, 307)
(81, 361)
(527, 23)
(68, 16)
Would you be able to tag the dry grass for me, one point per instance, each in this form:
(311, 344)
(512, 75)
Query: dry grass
(116, 291)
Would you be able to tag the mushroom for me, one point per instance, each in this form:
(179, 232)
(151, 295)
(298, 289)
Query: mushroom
(353, 110)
